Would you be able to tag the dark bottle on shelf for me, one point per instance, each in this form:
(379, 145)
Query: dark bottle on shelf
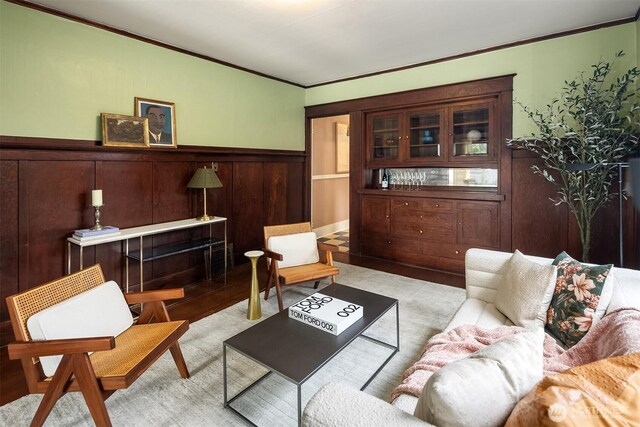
(385, 180)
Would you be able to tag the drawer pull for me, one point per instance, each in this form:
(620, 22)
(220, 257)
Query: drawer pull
(457, 252)
(389, 241)
(437, 205)
(421, 231)
(406, 203)
(386, 216)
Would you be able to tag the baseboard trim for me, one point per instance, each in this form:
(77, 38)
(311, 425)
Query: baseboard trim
(331, 228)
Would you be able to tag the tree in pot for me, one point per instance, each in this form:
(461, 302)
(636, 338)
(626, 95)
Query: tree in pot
(593, 121)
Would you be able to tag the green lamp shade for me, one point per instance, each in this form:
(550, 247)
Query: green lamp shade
(204, 178)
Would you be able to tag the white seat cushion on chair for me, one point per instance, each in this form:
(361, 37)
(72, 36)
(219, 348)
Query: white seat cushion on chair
(99, 312)
(296, 249)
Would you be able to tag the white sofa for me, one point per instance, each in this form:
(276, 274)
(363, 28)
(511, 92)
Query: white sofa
(339, 405)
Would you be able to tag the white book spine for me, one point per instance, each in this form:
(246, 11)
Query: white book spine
(326, 313)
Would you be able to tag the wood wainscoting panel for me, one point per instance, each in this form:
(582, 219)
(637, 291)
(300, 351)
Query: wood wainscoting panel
(275, 193)
(296, 190)
(248, 206)
(55, 199)
(539, 227)
(170, 200)
(127, 195)
(8, 233)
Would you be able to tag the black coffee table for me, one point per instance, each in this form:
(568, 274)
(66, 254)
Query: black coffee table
(296, 351)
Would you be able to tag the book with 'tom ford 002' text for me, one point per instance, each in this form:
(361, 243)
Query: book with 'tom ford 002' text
(324, 312)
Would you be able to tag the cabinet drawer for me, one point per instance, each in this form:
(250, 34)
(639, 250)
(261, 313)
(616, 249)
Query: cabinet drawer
(426, 233)
(408, 215)
(440, 205)
(407, 229)
(440, 219)
(439, 235)
(391, 247)
(445, 250)
(406, 204)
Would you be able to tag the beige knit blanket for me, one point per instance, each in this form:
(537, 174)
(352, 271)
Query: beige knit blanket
(615, 334)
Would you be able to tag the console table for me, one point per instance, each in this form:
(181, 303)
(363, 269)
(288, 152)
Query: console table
(141, 255)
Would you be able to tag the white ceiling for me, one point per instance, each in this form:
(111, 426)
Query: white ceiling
(308, 42)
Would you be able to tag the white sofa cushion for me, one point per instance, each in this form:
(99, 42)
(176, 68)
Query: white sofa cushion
(98, 312)
(483, 389)
(480, 313)
(525, 291)
(296, 249)
(339, 404)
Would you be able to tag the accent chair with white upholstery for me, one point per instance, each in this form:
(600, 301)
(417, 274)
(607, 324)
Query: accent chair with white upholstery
(293, 257)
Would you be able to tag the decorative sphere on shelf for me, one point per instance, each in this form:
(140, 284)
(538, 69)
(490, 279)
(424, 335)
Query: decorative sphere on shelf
(474, 135)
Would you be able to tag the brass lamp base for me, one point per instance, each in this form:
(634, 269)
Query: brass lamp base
(204, 217)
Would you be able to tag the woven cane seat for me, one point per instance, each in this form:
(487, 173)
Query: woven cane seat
(132, 346)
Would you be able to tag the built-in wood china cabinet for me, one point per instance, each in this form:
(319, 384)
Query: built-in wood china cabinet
(442, 160)
(448, 169)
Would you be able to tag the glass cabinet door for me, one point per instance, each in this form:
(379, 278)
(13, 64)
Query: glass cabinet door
(385, 135)
(424, 135)
(471, 132)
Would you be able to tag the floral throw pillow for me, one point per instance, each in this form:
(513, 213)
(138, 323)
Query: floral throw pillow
(575, 298)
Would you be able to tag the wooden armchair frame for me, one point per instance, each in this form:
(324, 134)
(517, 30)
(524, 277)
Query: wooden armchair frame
(297, 274)
(116, 362)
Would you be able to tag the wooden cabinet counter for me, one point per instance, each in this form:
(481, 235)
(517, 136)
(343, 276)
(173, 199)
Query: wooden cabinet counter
(429, 232)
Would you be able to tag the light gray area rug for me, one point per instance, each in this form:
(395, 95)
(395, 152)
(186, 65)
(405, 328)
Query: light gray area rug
(161, 398)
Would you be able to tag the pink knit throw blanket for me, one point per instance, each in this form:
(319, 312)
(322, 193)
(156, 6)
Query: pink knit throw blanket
(616, 334)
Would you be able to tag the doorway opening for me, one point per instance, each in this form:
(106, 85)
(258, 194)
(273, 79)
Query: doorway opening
(330, 180)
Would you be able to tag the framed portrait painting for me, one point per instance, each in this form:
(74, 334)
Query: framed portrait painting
(124, 131)
(162, 121)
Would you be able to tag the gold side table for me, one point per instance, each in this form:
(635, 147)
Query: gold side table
(254, 312)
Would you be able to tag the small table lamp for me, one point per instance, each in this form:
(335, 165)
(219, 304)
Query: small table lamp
(204, 178)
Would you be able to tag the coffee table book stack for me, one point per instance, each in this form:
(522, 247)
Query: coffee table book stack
(88, 234)
(327, 313)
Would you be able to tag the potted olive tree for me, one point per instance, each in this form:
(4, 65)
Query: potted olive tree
(582, 136)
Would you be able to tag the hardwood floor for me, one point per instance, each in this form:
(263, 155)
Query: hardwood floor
(208, 297)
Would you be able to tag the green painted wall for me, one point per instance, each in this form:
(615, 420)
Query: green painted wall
(541, 69)
(57, 76)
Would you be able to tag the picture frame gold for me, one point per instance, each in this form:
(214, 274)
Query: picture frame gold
(162, 121)
(124, 131)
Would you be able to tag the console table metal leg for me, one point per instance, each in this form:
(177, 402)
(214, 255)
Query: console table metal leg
(126, 264)
(141, 268)
(81, 258)
(225, 252)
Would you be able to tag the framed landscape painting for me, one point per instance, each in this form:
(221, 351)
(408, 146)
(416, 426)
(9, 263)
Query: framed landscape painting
(124, 131)
(162, 121)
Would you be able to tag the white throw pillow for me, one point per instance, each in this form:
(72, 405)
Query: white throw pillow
(99, 312)
(483, 389)
(296, 249)
(525, 291)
